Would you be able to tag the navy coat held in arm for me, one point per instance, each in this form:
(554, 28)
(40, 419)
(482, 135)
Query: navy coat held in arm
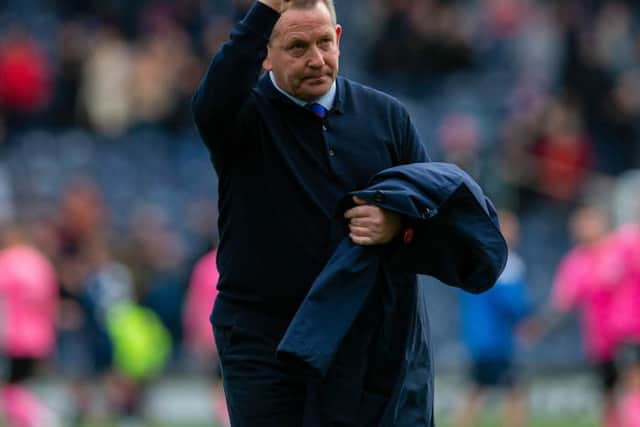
(457, 240)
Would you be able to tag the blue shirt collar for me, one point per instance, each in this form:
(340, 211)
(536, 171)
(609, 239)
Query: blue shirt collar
(325, 100)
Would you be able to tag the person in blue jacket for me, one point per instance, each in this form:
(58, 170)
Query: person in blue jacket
(489, 329)
(289, 138)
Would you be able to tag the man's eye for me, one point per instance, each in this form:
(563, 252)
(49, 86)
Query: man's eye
(297, 49)
(325, 44)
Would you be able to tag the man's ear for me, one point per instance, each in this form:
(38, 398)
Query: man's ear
(338, 33)
(266, 64)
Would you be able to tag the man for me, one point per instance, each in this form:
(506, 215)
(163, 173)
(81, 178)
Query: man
(287, 146)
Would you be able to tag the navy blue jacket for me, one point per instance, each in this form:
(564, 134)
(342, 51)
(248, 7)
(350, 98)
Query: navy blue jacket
(457, 240)
(282, 172)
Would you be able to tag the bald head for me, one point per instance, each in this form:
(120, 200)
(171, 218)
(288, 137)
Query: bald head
(307, 4)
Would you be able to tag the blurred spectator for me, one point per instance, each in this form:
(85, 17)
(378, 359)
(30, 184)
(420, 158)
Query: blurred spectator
(489, 324)
(201, 294)
(158, 254)
(29, 303)
(562, 153)
(157, 60)
(25, 77)
(198, 330)
(106, 88)
(626, 321)
(504, 17)
(79, 252)
(547, 152)
(82, 219)
(155, 69)
(72, 44)
(624, 242)
(460, 141)
(586, 280)
(141, 348)
(601, 53)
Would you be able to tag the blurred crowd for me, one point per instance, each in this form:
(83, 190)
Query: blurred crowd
(103, 175)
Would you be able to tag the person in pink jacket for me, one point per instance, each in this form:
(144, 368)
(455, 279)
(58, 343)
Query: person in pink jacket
(28, 310)
(202, 292)
(587, 280)
(625, 241)
(198, 332)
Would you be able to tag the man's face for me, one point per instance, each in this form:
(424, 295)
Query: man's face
(304, 51)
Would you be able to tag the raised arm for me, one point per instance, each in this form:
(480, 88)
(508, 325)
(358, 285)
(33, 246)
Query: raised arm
(234, 70)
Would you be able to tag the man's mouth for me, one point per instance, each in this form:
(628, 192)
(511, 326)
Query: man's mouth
(314, 79)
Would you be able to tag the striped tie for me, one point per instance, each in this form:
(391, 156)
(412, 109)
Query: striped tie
(318, 110)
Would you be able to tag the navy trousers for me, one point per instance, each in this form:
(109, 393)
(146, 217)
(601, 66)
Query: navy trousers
(260, 390)
(263, 391)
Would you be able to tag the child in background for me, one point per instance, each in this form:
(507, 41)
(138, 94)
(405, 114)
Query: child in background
(489, 322)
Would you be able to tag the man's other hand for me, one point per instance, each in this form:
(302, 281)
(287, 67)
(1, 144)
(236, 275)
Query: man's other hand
(371, 225)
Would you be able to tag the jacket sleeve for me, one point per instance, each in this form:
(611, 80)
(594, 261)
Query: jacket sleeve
(460, 245)
(457, 237)
(232, 74)
(413, 150)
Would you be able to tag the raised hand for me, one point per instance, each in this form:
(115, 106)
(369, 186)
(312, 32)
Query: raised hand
(277, 5)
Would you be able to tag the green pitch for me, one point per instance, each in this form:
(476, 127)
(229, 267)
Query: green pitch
(540, 422)
(536, 422)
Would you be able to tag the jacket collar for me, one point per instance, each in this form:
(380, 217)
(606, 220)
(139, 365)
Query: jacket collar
(265, 87)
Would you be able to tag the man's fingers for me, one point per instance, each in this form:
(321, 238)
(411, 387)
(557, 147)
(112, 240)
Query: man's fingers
(360, 231)
(358, 212)
(362, 222)
(359, 240)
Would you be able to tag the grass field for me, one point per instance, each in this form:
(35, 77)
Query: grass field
(549, 422)
(554, 401)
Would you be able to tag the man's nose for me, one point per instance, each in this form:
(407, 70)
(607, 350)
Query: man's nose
(316, 59)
